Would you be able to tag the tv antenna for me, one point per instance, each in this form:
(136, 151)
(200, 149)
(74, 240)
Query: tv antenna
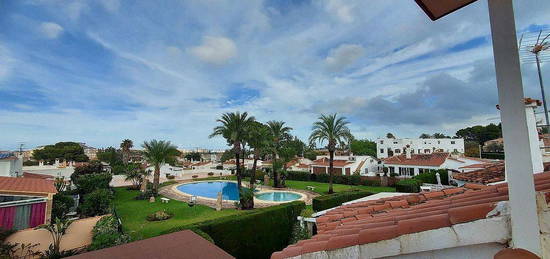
(533, 48)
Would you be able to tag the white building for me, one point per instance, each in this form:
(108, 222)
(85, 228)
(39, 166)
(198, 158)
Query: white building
(408, 164)
(387, 147)
(11, 164)
(346, 165)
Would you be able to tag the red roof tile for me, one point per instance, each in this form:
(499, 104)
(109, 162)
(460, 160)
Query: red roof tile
(490, 174)
(27, 185)
(387, 218)
(324, 162)
(434, 159)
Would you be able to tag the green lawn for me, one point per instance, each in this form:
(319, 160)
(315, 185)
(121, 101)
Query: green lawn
(322, 188)
(133, 212)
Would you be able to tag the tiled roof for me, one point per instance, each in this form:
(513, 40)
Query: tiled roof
(203, 163)
(433, 159)
(302, 166)
(476, 166)
(31, 185)
(324, 162)
(388, 218)
(489, 174)
(7, 156)
(39, 176)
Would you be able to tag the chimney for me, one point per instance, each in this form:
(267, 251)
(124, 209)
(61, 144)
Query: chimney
(536, 152)
(408, 154)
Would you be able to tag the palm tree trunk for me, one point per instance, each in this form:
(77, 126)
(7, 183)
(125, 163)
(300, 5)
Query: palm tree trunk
(275, 173)
(156, 179)
(330, 171)
(253, 173)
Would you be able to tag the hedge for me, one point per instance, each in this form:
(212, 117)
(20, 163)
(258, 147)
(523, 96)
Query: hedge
(337, 179)
(430, 177)
(106, 234)
(328, 201)
(408, 185)
(256, 234)
(488, 155)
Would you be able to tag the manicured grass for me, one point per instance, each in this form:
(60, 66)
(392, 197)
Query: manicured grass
(322, 188)
(133, 212)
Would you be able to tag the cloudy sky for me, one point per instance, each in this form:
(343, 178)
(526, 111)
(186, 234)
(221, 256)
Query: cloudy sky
(101, 71)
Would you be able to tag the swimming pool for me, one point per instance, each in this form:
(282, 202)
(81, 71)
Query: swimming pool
(210, 189)
(278, 196)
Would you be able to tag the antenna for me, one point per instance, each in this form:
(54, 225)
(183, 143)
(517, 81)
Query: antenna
(533, 49)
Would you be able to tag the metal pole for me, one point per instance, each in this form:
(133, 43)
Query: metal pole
(517, 148)
(542, 91)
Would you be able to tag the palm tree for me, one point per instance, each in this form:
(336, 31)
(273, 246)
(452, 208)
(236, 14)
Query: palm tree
(234, 127)
(126, 145)
(333, 130)
(278, 132)
(57, 229)
(259, 140)
(158, 153)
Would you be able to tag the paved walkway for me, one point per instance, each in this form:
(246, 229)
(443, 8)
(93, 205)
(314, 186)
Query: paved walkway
(79, 235)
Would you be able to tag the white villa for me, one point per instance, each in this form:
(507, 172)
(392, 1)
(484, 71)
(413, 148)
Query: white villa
(346, 165)
(387, 147)
(11, 164)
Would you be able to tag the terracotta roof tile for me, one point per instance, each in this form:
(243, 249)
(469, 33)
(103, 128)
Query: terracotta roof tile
(324, 162)
(433, 159)
(385, 219)
(31, 185)
(489, 174)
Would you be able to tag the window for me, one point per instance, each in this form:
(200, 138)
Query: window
(398, 151)
(438, 142)
(427, 151)
(392, 170)
(455, 150)
(381, 141)
(406, 171)
(381, 151)
(395, 142)
(453, 142)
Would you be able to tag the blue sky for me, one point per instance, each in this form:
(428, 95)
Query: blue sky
(101, 71)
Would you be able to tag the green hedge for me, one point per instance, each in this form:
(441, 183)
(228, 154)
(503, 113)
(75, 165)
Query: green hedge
(408, 185)
(256, 234)
(353, 179)
(431, 177)
(328, 201)
(106, 234)
(492, 155)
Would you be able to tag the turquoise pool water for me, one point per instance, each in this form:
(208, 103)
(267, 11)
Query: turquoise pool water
(278, 196)
(210, 189)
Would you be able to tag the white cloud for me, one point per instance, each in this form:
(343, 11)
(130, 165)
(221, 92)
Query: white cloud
(110, 5)
(6, 62)
(343, 56)
(215, 50)
(341, 9)
(51, 30)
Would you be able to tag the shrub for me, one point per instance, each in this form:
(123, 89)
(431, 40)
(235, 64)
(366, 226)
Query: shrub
(408, 185)
(170, 177)
(94, 167)
(144, 195)
(159, 216)
(219, 167)
(371, 182)
(90, 182)
(203, 235)
(30, 163)
(210, 174)
(355, 179)
(62, 205)
(430, 177)
(328, 201)
(323, 178)
(270, 229)
(298, 176)
(97, 203)
(106, 234)
(298, 233)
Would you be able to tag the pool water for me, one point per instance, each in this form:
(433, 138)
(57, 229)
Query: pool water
(210, 189)
(278, 196)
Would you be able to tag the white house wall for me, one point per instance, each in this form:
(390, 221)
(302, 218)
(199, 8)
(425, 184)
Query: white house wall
(445, 144)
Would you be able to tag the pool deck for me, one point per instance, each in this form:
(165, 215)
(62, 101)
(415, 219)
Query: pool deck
(172, 192)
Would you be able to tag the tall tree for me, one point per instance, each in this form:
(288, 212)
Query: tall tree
(258, 139)
(331, 129)
(425, 135)
(390, 135)
(125, 146)
(234, 127)
(362, 147)
(157, 153)
(279, 132)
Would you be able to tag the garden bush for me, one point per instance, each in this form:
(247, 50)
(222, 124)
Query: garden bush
(430, 177)
(219, 167)
(159, 215)
(203, 235)
(371, 182)
(298, 176)
(106, 234)
(30, 163)
(62, 205)
(170, 177)
(270, 228)
(408, 185)
(210, 174)
(97, 203)
(328, 201)
(90, 182)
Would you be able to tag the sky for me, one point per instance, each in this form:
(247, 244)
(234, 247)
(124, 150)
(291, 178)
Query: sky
(105, 70)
